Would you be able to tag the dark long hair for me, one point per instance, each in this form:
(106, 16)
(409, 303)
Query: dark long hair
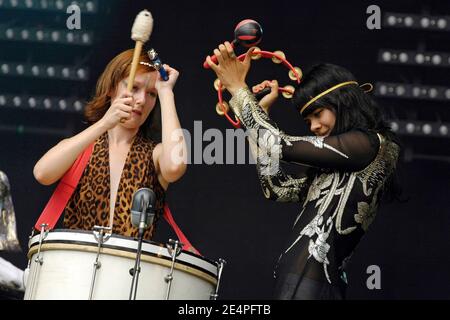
(353, 107)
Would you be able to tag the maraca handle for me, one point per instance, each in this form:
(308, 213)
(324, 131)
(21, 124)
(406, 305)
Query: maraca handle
(214, 58)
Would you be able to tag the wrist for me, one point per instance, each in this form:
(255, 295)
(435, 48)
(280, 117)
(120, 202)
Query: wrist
(165, 91)
(233, 90)
(102, 125)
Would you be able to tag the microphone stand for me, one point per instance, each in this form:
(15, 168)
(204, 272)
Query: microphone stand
(143, 223)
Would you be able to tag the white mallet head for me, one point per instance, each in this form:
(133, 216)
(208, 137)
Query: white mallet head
(142, 26)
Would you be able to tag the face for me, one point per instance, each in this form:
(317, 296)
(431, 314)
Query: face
(144, 95)
(321, 122)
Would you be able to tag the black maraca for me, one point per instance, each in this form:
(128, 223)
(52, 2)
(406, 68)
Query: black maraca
(248, 33)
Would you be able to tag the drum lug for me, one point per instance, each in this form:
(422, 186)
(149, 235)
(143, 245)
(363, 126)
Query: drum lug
(220, 265)
(39, 260)
(101, 237)
(174, 248)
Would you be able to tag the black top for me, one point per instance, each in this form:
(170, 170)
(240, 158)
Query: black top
(338, 197)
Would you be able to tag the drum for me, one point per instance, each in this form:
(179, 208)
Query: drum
(70, 264)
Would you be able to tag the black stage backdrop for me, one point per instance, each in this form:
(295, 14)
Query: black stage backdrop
(221, 207)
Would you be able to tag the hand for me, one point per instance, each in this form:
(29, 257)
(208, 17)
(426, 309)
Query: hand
(230, 71)
(173, 74)
(268, 100)
(120, 108)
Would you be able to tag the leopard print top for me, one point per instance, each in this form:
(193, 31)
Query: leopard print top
(89, 205)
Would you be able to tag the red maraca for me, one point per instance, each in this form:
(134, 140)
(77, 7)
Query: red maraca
(248, 33)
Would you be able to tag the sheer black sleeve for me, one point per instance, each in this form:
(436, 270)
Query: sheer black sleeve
(351, 151)
(275, 183)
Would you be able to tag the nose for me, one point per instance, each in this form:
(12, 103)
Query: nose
(315, 126)
(139, 97)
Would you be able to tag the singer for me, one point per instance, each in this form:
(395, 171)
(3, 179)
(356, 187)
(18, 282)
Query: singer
(125, 127)
(351, 158)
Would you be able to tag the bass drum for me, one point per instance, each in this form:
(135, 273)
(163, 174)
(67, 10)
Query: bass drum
(64, 267)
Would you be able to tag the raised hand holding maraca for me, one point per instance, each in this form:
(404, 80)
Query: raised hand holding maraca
(248, 33)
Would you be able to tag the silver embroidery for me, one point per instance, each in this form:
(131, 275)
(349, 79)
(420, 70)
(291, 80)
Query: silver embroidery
(324, 189)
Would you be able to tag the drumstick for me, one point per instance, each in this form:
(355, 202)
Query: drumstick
(140, 32)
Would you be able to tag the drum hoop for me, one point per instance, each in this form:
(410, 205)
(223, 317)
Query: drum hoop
(151, 242)
(113, 251)
(208, 267)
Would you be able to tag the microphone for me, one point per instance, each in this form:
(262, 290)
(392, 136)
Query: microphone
(157, 64)
(143, 209)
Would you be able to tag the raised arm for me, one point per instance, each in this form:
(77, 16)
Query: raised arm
(52, 166)
(349, 151)
(170, 156)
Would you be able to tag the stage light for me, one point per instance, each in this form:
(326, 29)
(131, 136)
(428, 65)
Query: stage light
(447, 94)
(65, 72)
(81, 73)
(25, 34)
(70, 37)
(62, 104)
(40, 35)
(46, 35)
(392, 56)
(20, 69)
(44, 71)
(420, 128)
(35, 70)
(78, 106)
(403, 57)
(90, 6)
(414, 21)
(51, 71)
(17, 101)
(55, 36)
(409, 21)
(426, 128)
(47, 103)
(394, 126)
(412, 91)
(410, 127)
(32, 102)
(9, 33)
(5, 68)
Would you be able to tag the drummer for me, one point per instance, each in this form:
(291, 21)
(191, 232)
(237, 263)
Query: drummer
(134, 147)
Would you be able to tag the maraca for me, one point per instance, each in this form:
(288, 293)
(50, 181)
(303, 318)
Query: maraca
(248, 33)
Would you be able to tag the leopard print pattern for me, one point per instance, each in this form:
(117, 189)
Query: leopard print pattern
(89, 205)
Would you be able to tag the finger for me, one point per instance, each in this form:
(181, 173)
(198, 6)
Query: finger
(125, 94)
(248, 55)
(230, 50)
(218, 56)
(255, 89)
(224, 52)
(126, 101)
(211, 64)
(274, 84)
(125, 108)
(266, 83)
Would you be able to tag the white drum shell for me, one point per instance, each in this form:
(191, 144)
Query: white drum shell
(67, 270)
